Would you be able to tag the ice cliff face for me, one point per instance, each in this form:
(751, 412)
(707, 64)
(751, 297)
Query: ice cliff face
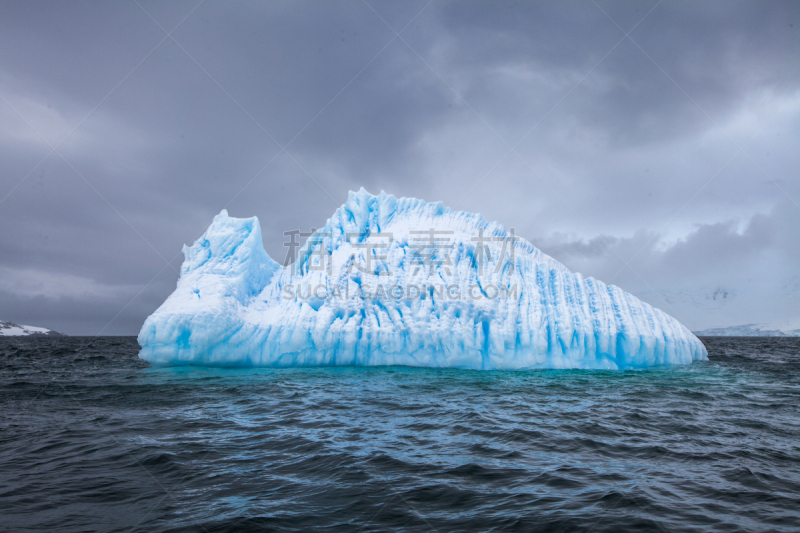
(392, 281)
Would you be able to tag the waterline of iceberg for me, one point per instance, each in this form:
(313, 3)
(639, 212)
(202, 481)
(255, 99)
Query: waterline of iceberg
(391, 281)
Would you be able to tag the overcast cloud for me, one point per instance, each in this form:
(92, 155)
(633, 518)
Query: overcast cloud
(665, 161)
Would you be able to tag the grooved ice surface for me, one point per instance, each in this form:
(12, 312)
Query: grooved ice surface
(366, 290)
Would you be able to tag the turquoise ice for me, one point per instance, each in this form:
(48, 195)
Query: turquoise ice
(391, 281)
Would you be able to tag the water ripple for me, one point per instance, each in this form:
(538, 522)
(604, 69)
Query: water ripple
(94, 439)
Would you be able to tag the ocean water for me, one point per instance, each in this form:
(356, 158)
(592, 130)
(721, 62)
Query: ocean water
(93, 439)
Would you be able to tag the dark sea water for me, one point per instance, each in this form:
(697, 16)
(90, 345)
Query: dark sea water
(93, 439)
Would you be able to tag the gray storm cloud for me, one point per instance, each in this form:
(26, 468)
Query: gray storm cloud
(651, 145)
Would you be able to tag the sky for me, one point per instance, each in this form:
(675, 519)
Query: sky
(646, 144)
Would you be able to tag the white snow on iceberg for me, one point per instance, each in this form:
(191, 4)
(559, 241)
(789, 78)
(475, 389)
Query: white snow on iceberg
(392, 281)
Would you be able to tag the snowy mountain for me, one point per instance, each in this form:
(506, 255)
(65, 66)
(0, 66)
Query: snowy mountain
(9, 329)
(782, 329)
(391, 281)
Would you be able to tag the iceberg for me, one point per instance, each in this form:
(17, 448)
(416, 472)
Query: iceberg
(400, 281)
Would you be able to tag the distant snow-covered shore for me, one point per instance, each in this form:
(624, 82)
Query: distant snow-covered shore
(9, 329)
(785, 329)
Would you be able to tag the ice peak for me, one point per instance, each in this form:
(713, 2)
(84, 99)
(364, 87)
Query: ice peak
(365, 211)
